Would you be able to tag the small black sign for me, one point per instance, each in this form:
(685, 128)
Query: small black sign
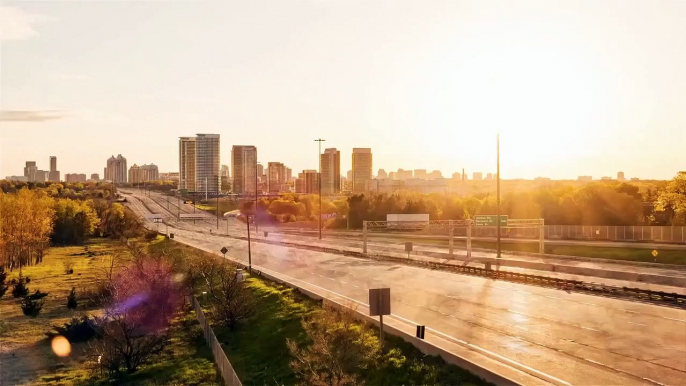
(224, 250)
(420, 331)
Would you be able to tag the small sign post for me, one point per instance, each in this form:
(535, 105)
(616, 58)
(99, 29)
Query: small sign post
(655, 255)
(408, 248)
(223, 251)
(380, 304)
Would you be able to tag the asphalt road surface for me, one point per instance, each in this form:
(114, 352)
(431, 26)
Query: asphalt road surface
(570, 338)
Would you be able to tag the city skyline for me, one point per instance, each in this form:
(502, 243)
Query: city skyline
(437, 96)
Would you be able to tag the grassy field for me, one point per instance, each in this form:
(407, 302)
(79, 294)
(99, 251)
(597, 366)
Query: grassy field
(665, 256)
(258, 351)
(25, 354)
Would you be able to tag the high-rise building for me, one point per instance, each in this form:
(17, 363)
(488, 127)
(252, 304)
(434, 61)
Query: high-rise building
(289, 174)
(116, 169)
(74, 177)
(150, 172)
(331, 171)
(420, 173)
(392, 176)
(41, 176)
(135, 174)
(307, 182)
(225, 171)
(349, 175)
(381, 174)
(207, 158)
(620, 176)
(243, 168)
(489, 176)
(187, 163)
(260, 172)
(54, 175)
(30, 171)
(436, 174)
(477, 176)
(95, 177)
(276, 177)
(362, 169)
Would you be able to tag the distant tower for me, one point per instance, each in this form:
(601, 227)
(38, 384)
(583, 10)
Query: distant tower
(464, 176)
(620, 176)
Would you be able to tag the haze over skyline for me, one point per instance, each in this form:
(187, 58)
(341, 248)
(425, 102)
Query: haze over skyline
(575, 87)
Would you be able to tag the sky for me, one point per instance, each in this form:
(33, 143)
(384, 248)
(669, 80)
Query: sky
(573, 87)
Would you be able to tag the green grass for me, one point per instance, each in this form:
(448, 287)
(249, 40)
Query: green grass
(665, 256)
(26, 350)
(257, 349)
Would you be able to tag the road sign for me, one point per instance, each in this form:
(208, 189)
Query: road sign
(420, 331)
(223, 251)
(489, 220)
(408, 246)
(328, 215)
(379, 301)
(654, 253)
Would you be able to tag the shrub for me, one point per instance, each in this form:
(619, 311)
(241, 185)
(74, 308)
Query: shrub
(68, 267)
(3, 277)
(77, 329)
(71, 299)
(33, 304)
(150, 235)
(20, 289)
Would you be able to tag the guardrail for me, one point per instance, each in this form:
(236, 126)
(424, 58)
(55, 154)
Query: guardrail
(225, 368)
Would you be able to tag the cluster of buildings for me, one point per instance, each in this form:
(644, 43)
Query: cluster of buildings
(33, 174)
(620, 177)
(116, 171)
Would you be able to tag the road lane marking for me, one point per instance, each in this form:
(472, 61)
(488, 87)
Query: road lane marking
(678, 320)
(589, 328)
(633, 312)
(654, 381)
(638, 324)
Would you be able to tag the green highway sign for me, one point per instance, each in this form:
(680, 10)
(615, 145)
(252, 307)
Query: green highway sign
(490, 220)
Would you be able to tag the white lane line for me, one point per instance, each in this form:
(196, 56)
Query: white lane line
(342, 282)
(638, 324)
(590, 304)
(678, 320)
(633, 312)
(654, 381)
(596, 362)
(553, 297)
(355, 286)
(589, 328)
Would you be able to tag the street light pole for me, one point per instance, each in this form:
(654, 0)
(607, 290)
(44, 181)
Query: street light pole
(255, 219)
(319, 178)
(498, 190)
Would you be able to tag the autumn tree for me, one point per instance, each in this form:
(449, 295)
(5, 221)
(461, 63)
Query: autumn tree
(75, 220)
(673, 199)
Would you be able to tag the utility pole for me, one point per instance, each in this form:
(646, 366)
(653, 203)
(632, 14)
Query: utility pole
(498, 190)
(247, 222)
(217, 210)
(319, 179)
(255, 218)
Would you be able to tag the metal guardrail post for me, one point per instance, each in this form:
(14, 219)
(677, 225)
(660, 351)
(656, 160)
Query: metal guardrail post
(469, 239)
(364, 236)
(451, 232)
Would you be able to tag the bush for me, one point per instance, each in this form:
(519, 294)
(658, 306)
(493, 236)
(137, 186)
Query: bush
(77, 329)
(150, 235)
(33, 304)
(71, 299)
(20, 289)
(3, 276)
(68, 267)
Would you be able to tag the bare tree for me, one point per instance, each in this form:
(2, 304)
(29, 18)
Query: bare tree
(339, 349)
(233, 300)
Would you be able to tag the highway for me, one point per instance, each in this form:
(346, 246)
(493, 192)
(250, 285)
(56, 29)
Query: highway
(560, 337)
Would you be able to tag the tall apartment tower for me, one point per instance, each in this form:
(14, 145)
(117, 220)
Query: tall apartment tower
(276, 172)
(116, 169)
(620, 176)
(243, 168)
(187, 163)
(30, 171)
(207, 159)
(331, 171)
(362, 169)
(54, 175)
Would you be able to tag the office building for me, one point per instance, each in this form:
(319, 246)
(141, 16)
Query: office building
(276, 177)
(489, 176)
(116, 169)
(436, 174)
(349, 175)
(17, 178)
(54, 175)
(207, 158)
(30, 171)
(41, 176)
(421, 174)
(362, 169)
(243, 168)
(620, 176)
(392, 176)
(95, 177)
(289, 174)
(187, 163)
(225, 171)
(135, 174)
(638, 179)
(260, 172)
(169, 176)
(606, 178)
(477, 176)
(74, 177)
(307, 182)
(150, 172)
(381, 174)
(585, 178)
(331, 171)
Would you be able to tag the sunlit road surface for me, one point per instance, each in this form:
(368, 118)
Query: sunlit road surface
(159, 204)
(573, 338)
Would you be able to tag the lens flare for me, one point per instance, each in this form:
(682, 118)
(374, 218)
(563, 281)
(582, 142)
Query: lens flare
(61, 346)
